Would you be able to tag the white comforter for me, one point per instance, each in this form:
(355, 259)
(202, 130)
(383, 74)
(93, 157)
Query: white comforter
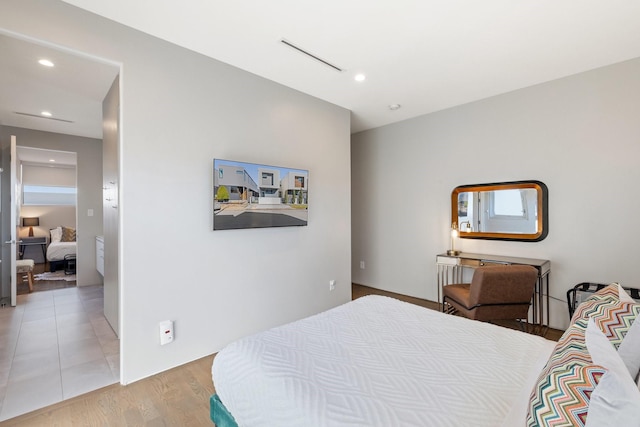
(57, 250)
(377, 361)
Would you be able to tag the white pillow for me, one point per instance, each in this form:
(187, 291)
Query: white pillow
(616, 399)
(634, 332)
(56, 234)
(629, 349)
(623, 295)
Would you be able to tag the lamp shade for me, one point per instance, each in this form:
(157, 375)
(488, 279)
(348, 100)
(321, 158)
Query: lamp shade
(30, 222)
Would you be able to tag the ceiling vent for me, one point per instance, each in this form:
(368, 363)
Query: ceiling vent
(311, 55)
(43, 117)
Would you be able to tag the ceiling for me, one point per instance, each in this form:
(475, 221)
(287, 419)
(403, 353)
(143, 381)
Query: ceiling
(424, 55)
(72, 90)
(52, 158)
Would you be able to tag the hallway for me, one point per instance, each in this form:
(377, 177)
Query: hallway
(54, 345)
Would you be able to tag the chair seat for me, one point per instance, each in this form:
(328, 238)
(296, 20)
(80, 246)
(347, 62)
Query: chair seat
(24, 265)
(460, 293)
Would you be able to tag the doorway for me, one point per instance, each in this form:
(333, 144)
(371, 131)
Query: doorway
(48, 181)
(75, 100)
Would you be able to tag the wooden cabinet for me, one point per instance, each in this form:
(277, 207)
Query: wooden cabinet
(100, 255)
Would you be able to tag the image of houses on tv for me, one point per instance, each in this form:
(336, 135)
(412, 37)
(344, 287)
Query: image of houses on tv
(248, 195)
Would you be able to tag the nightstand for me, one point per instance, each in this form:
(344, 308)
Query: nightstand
(27, 244)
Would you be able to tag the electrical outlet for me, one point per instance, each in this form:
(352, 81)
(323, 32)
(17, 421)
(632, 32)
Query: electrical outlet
(361, 265)
(332, 285)
(166, 332)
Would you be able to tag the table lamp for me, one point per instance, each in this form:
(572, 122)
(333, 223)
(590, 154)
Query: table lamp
(454, 234)
(30, 222)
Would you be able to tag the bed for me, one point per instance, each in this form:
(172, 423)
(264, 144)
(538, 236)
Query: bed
(62, 247)
(377, 361)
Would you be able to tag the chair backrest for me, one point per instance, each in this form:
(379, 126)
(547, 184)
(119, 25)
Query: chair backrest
(502, 284)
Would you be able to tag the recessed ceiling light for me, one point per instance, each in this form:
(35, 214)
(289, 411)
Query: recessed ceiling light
(52, 160)
(394, 107)
(46, 114)
(360, 77)
(45, 62)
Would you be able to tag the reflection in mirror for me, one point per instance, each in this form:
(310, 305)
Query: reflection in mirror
(500, 211)
(504, 211)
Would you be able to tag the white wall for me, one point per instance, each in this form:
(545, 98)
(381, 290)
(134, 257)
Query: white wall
(179, 110)
(579, 135)
(50, 217)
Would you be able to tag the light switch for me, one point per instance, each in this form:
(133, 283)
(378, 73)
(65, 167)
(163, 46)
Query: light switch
(89, 212)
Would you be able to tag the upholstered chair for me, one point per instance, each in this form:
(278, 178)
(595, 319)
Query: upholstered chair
(496, 292)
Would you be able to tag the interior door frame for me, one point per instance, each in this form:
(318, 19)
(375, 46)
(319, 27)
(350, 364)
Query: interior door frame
(15, 218)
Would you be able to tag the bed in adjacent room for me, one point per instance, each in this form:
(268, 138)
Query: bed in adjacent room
(62, 247)
(377, 361)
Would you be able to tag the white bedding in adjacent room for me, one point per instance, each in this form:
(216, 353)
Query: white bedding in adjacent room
(57, 250)
(377, 361)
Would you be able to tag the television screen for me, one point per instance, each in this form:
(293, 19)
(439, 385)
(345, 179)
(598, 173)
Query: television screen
(250, 195)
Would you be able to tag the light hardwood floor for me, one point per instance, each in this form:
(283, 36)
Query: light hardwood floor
(178, 397)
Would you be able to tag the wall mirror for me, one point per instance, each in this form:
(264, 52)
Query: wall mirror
(501, 211)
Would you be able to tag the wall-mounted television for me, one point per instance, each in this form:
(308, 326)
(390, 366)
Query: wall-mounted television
(252, 195)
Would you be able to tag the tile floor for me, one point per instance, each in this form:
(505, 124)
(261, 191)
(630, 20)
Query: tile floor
(55, 345)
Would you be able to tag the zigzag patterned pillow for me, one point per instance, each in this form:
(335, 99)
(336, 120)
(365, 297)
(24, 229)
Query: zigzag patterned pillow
(68, 234)
(609, 293)
(554, 400)
(563, 397)
(613, 310)
(615, 313)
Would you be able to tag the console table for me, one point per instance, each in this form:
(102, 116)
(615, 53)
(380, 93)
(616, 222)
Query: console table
(450, 270)
(26, 242)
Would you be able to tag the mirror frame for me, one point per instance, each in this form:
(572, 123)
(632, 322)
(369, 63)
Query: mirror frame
(543, 215)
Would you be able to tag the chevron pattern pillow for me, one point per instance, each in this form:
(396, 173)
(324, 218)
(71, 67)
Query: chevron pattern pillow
(68, 234)
(562, 394)
(614, 312)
